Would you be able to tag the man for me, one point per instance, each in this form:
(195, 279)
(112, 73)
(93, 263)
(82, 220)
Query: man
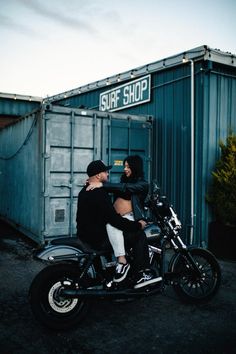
(95, 211)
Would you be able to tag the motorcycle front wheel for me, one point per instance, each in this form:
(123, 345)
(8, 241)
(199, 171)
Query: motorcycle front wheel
(192, 287)
(48, 306)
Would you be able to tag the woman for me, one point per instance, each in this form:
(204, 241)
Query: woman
(129, 196)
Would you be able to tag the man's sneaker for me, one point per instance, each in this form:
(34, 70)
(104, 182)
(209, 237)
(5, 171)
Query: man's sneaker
(146, 278)
(121, 272)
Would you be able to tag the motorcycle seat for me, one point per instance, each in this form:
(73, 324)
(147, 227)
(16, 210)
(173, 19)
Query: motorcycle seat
(83, 246)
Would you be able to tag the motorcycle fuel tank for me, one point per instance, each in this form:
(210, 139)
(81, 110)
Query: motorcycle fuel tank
(153, 232)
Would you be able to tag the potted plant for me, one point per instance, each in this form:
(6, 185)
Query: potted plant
(222, 198)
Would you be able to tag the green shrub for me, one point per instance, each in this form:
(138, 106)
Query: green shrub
(222, 195)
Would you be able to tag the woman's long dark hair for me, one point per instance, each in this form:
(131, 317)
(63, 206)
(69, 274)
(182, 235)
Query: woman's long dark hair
(136, 165)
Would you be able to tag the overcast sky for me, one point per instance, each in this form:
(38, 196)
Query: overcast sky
(51, 46)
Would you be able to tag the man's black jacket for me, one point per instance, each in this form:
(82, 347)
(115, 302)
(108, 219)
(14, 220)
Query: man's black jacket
(94, 211)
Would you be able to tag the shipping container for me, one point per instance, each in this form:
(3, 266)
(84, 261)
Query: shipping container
(192, 97)
(43, 161)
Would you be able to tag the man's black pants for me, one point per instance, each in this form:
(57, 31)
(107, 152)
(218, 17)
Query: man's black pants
(138, 242)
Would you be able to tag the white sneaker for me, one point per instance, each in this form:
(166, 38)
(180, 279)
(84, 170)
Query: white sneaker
(146, 278)
(121, 272)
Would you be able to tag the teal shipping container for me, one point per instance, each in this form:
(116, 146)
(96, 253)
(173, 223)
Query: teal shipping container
(43, 161)
(192, 98)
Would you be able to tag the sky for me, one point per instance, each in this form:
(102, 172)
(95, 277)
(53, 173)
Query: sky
(51, 46)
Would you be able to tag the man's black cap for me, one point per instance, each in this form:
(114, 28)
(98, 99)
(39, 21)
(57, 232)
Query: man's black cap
(96, 167)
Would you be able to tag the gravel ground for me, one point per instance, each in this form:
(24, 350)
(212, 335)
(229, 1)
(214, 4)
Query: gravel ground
(159, 324)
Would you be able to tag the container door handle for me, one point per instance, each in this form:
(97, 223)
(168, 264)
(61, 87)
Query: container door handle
(67, 185)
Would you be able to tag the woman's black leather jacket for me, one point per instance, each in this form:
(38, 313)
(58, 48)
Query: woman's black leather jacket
(138, 191)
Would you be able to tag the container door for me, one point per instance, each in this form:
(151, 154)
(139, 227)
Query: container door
(73, 138)
(128, 137)
(69, 144)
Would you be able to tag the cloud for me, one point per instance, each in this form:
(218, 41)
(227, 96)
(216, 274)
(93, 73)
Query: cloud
(92, 18)
(7, 23)
(62, 18)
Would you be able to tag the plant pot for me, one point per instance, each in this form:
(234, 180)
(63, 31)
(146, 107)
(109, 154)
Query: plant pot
(222, 240)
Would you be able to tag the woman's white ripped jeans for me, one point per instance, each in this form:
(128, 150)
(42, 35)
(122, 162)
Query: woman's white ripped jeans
(116, 237)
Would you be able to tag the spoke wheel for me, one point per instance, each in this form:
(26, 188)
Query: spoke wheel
(48, 305)
(194, 287)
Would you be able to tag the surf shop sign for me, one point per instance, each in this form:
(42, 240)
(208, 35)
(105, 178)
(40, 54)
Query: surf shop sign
(130, 94)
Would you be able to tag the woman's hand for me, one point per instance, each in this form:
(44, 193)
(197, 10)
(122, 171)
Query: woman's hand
(143, 223)
(93, 185)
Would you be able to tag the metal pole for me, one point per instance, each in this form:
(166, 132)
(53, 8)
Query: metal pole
(192, 152)
(71, 184)
(187, 60)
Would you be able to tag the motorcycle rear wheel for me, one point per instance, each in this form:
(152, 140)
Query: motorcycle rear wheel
(192, 288)
(48, 306)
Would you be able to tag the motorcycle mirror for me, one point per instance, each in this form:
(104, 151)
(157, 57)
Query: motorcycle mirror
(155, 187)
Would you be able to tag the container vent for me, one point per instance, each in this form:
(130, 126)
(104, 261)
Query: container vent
(59, 215)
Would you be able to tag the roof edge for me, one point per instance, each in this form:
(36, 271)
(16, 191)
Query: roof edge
(203, 52)
(14, 96)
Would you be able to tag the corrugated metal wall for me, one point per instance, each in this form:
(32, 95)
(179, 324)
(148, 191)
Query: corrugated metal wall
(215, 113)
(16, 107)
(20, 173)
(215, 117)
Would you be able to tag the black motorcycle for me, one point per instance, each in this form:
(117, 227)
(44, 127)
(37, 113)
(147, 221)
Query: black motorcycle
(61, 293)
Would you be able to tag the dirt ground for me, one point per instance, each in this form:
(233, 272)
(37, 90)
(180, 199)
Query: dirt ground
(159, 324)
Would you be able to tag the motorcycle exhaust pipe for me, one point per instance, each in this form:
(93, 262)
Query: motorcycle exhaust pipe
(103, 293)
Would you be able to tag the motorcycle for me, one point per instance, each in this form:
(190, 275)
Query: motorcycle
(61, 293)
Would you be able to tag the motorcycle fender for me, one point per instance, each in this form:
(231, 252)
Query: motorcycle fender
(176, 256)
(57, 253)
(172, 262)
